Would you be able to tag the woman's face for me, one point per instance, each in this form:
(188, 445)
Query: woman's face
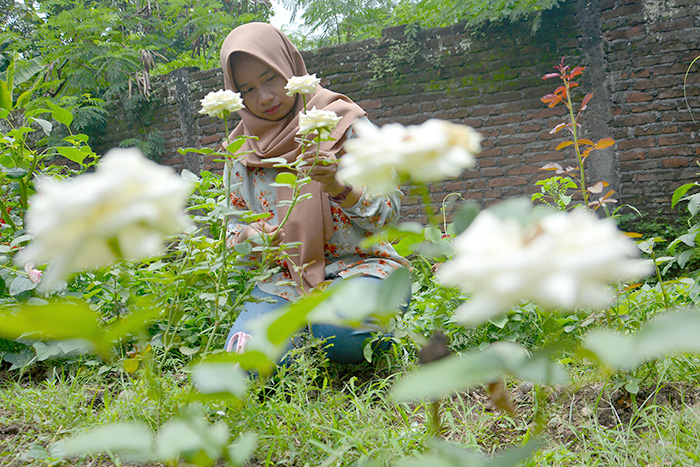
(261, 88)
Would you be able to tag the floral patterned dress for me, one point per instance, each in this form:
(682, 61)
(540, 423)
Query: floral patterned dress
(251, 190)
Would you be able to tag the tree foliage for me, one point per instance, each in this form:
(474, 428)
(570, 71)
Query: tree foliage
(344, 20)
(109, 48)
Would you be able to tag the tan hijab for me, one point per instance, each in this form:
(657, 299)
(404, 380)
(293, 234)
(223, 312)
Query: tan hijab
(310, 221)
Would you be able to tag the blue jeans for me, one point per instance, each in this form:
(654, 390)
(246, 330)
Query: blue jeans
(342, 344)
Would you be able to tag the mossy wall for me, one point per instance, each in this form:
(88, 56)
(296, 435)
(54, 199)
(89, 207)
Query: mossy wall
(636, 54)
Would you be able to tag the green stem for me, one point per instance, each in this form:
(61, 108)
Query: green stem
(659, 278)
(227, 168)
(444, 210)
(574, 132)
(435, 423)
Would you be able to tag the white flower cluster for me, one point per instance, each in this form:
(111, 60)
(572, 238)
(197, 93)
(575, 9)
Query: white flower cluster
(221, 103)
(321, 122)
(122, 210)
(433, 151)
(562, 260)
(302, 84)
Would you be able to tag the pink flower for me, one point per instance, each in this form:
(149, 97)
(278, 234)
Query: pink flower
(33, 273)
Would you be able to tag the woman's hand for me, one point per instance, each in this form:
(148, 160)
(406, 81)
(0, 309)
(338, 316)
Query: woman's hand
(256, 230)
(323, 171)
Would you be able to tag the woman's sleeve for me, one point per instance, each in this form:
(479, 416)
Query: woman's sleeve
(373, 213)
(234, 226)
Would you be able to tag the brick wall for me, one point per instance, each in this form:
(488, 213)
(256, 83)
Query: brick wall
(635, 52)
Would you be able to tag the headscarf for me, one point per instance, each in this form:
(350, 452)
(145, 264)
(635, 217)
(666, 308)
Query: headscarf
(310, 221)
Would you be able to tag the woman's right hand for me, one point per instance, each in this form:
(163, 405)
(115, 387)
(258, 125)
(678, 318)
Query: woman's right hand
(256, 230)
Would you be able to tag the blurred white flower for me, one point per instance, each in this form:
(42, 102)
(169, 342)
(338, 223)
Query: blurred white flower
(371, 158)
(33, 273)
(321, 122)
(221, 103)
(562, 260)
(302, 84)
(433, 151)
(122, 210)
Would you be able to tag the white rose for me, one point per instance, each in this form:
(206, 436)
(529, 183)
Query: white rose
(306, 84)
(430, 152)
(318, 121)
(371, 158)
(437, 150)
(122, 210)
(221, 103)
(563, 260)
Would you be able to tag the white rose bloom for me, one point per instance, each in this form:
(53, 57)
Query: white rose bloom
(371, 158)
(302, 84)
(127, 205)
(563, 260)
(318, 121)
(221, 103)
(430, 152)
(438, 149)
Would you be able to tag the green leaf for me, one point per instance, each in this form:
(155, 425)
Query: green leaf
(193, 438)
(244, 248)
(234, 146)
(450, 455)
(76, 155)
(464, 216)
(21, 359)
(7, 87)
(680, 192)
(58, 320)
(5, 97)
(132, 439)
(219, 378)
(130, 365)
(243, 448)
(395, 289)
(667, 333)
(131, 324)
(60, 114)
(16, 173)
(27, 70)
(444, 377)
(190, 176)
(285, 178)
(21, 284)
(46, 126)
(694, 203)
(188, 351)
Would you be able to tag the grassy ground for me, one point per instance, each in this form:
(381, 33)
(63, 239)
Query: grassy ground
(319, 414)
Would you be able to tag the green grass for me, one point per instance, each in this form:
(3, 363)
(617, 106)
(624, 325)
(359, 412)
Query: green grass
(320, 414)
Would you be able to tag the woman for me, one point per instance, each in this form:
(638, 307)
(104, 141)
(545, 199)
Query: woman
(257, 59)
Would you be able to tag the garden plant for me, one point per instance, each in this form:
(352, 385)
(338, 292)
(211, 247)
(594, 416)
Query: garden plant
(537, 333)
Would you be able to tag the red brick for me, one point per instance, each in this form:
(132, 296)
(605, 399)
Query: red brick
(638, 97)
(674, 163)
(492, 172)
(677, 139)
(636, 31)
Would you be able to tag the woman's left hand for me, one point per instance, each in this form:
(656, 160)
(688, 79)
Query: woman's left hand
(323, 171)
